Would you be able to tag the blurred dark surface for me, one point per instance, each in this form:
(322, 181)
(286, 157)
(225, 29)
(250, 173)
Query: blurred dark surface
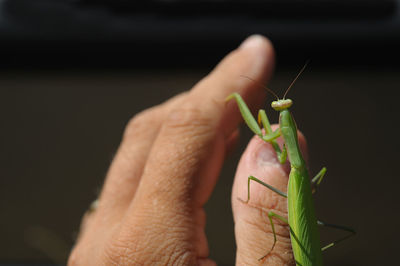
(74, 72)
(70, 33)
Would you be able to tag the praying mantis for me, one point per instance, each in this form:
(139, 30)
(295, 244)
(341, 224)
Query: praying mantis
(302, 221)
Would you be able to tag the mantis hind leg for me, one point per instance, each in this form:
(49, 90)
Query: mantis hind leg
(271, 215)
(340, 227)
(252, 178)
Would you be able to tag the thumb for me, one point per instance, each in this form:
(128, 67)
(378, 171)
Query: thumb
(254, 236)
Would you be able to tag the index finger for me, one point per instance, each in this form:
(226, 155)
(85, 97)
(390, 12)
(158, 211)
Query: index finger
(193, 129)
(187, 155)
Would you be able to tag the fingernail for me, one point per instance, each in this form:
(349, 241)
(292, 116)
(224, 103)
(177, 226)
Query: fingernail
(265, 155)
(252, 42)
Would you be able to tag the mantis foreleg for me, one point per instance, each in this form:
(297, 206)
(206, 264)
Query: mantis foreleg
(246, 114)
(263, 120)
(269, 136)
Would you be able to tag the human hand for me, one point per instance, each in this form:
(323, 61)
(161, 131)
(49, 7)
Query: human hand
(150, 210)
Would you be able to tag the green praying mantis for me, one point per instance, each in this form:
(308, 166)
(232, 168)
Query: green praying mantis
(302, 221)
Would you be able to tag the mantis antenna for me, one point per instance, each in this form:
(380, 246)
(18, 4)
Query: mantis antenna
(298, 75)
(273, 93)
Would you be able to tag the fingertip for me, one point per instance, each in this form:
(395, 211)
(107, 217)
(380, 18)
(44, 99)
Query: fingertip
(254, 59)
(260, 47)
(254, 40)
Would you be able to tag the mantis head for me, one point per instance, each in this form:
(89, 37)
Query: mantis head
(280, 105)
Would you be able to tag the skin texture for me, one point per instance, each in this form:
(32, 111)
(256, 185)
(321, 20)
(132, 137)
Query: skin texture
(151, 206)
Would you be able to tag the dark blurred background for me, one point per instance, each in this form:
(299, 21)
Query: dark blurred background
(72, 73)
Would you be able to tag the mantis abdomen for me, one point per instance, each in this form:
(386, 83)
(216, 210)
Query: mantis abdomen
(301, 212)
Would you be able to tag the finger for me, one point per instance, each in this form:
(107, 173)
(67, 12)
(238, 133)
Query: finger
(188, 152)
(204, 117)
(253, 232)
(191, 130)
(127, 167)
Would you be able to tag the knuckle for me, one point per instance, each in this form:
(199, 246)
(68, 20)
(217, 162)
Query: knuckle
(76, 258)
(140, 123)
(189, 119)
(182, 257)
(122, 252)
(134, 247)
(73, 258)
(116, 253)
